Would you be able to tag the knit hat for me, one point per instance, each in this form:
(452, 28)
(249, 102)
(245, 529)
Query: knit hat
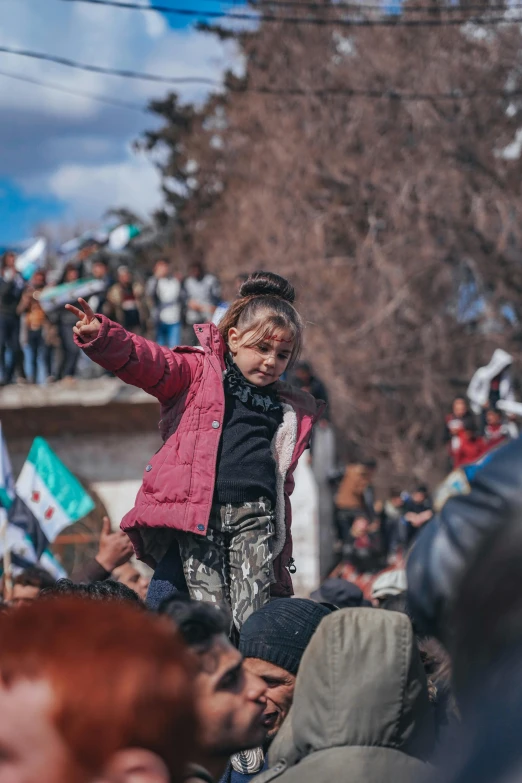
(340, 593)
(280, 631)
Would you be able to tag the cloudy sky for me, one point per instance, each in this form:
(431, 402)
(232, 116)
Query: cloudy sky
(65, 159)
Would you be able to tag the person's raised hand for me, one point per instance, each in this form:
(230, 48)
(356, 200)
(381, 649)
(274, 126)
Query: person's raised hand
(115, 548)
(87, 326)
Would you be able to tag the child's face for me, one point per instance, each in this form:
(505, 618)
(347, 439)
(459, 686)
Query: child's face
(264, 363)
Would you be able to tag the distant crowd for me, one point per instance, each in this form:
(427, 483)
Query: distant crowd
(375, 535)
(469, 436)
(36, 343)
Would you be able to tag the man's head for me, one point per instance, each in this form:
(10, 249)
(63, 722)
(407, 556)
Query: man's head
(395, 497)
(370, 465)
(303, 373)
(8, 260)
(124, 275)
(99, 269)
(108, 691)
(339, 593)
(197, 270)
(71, 273)
(493, 417)
(273, 641)
(420, 494)
(109, 590)
(127, 574)
(161, 268)
(459, 407)
(38, 280)
(230, 699)
(389, 583)
(28, 584)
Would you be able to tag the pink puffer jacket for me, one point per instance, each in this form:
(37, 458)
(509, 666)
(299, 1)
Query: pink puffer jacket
(178, 481)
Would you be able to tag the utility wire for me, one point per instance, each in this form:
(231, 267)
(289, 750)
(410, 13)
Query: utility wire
(403, 7)
(151, 77)
(390, 94)
(393, 94)
(391, 7)
(76, 93)
(393, 21)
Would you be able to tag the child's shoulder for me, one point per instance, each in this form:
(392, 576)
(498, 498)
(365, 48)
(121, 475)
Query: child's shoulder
(300, 400)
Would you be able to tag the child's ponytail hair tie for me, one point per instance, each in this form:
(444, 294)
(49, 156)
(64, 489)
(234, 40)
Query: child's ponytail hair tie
(268, 284)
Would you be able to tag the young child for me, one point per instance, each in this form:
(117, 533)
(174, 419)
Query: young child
(233, 433)
(471, 446)
(495, 431)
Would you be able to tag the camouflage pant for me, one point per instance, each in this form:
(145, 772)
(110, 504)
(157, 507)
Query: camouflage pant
(232, 563)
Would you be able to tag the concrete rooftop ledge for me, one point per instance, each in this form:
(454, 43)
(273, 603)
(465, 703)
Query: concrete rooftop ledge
(84, 393)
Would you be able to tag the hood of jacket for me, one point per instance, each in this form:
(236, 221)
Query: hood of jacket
(361, 684)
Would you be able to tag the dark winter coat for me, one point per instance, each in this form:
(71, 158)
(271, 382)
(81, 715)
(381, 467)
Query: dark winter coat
(489, 494)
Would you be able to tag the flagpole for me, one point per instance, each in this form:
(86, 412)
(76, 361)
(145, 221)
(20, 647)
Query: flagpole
(8, 581)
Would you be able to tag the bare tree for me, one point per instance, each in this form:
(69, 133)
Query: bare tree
(398, 220)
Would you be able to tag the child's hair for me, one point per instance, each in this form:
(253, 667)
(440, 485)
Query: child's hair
(265, 303)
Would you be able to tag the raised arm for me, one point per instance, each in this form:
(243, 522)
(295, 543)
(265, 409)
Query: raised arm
(158, 371)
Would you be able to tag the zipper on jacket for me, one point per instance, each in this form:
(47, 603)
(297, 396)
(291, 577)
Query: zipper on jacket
(291, 566)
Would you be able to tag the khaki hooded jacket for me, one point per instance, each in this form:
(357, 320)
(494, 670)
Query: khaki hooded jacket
(361, 711)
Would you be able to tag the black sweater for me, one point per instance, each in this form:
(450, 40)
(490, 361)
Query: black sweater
(246, 469)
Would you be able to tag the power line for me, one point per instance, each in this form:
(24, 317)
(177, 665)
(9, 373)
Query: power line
(384, 8)
(391, 94)
(392, 21)
(76, 93)
(151, 77)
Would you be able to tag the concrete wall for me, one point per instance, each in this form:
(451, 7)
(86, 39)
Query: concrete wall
(305, 529)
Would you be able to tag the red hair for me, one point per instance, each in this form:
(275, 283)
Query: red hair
(120, 678)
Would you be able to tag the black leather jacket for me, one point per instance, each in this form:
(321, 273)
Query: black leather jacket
(492, 494)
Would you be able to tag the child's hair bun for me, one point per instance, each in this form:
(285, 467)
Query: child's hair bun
(268, 284)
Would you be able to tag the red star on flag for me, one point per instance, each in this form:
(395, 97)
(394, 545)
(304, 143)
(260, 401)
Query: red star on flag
(49, 513)
(35, 497)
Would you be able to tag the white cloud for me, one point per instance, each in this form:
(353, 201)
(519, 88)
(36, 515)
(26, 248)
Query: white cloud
(107, 37)
(133, 183)
(75, 148)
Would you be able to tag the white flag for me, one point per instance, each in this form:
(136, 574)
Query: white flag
(7, 484)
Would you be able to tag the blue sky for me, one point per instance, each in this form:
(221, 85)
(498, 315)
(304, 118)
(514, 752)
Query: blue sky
(63, 159)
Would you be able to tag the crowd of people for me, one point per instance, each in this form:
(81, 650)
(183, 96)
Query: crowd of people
(37, 343)
(214, 672)
(311, 687)
(373, 535)
(469, 436)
